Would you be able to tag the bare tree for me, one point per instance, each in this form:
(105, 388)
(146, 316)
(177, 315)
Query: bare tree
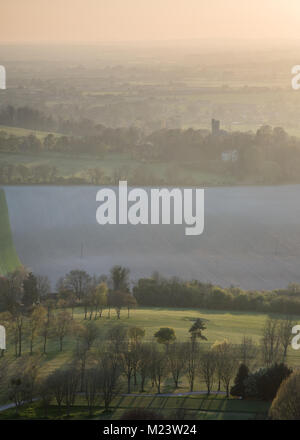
(230, 364)
(207, 369)
(144, 364)
(78, 281)
(127, 357)
(176, 361)
(43, 286)
(45, 395)
(89, 333)
(71, 382)
(91, 388)
(191, 353)
(22, 383)
(270, 342)
(160, 368)
(55, 382)
(62, 326)
(248, 351)
(109, 374)
(117, 337)
(46, 327)
(34, 323)
(285, 330)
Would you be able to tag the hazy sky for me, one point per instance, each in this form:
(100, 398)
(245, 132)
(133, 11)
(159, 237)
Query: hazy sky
(130, 20)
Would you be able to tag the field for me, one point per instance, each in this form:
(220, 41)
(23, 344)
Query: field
(220, 325)
(114, 164)
(9, 259)
(201, 407)
(18, 131)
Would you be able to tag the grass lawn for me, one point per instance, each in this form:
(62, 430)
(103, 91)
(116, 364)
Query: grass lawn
(194, 407)
(220, 325)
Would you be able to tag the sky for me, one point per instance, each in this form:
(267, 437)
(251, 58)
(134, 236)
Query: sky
(92, 21)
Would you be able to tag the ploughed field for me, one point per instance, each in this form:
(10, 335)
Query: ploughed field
(251, 236)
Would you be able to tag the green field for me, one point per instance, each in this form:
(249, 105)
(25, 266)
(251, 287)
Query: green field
(18, 131)
(115, 165)
(9, 259)
(201, 407)
(220, 325)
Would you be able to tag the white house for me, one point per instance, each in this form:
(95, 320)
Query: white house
(230, 156)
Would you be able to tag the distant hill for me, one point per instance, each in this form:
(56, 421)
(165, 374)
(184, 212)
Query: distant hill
(9, 259)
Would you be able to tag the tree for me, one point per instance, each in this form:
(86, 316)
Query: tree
(45, 395)
(196, 330)
(176, 361)
(144, 364)
(264, 383)
(165, 336)
(43, 286)
(127, 357)
(119, 279)
(159, 368)
(100, 298)
(270, 342)
(129, 302)
(30, 367)
(191, 353)
(55, 382)
(70, 388)
(30, 291)
(229, 366)
(18, 318)
(247, 351)
(80, 358)
(135, 334)
(89, 333)
(3, 370)
(109, 374)
(286, 405)
(91, 387)
(11, 289)
(117, 338)
(238, 389)
(117, 300)
(285, 335)
(78, 281)
(18, 391)
(62, 326)
(36, 318)
(269, 383)
(218, 348)
(22, 382)
(46, 328)
(207, 368)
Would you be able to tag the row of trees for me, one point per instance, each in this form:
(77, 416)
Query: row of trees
(160, 292)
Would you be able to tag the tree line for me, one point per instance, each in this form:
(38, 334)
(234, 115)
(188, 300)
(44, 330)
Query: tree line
(157, 291)
(269, 155)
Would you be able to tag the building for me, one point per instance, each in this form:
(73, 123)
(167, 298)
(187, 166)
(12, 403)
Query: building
(230, 156)
(215, 127)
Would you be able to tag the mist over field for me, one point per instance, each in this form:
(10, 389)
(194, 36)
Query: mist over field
(251, 237)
